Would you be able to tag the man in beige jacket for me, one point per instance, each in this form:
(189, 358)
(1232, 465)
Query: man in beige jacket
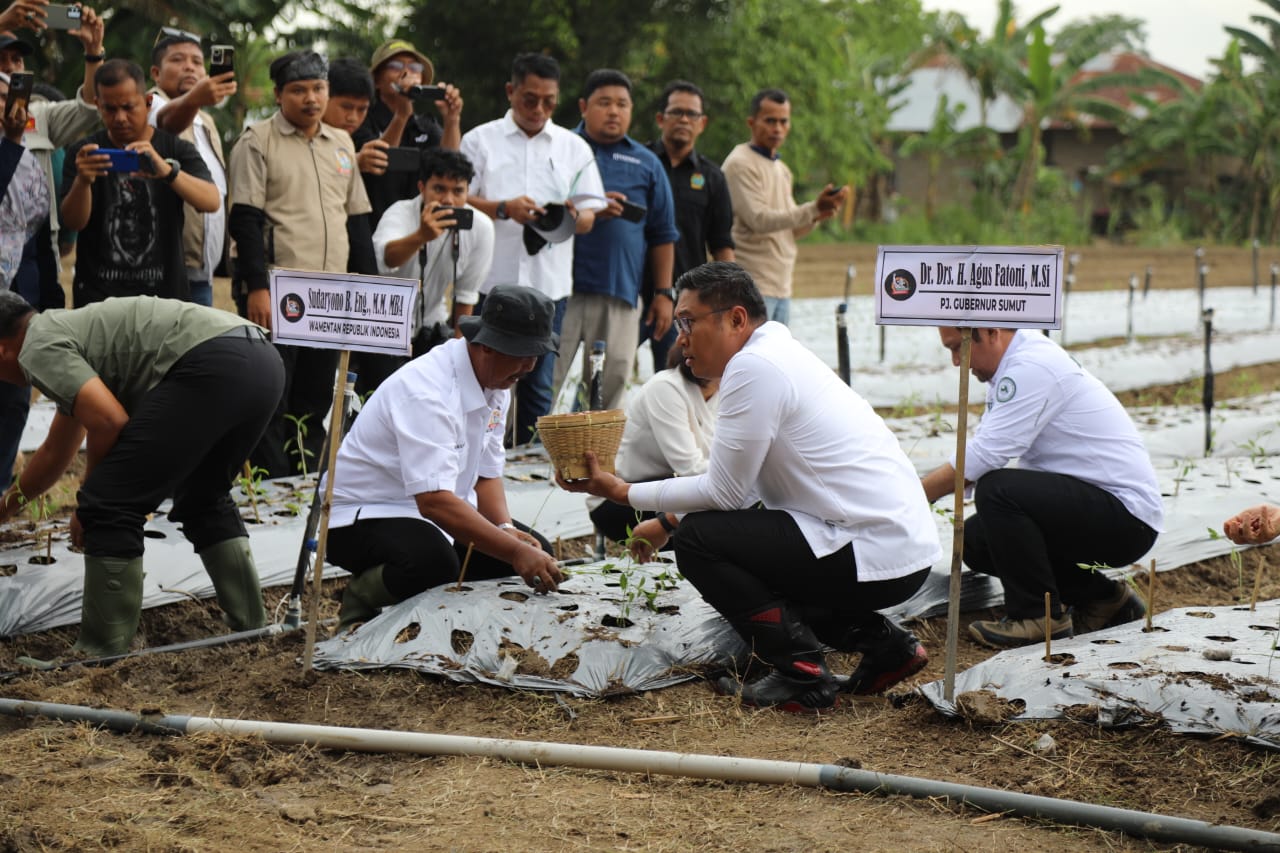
(766, 219)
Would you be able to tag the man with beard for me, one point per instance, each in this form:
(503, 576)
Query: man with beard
(130, 222)
(294, 183)
(181, 93)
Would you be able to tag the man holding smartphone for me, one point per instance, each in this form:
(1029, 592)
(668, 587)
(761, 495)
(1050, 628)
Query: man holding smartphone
(638, 225)
(53, 125)
(523, 161)
(130, 223)
(417, 238)
(401, 73)
(766, 219)
(181, 92)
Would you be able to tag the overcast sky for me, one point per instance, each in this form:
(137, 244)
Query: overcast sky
(1184, 34)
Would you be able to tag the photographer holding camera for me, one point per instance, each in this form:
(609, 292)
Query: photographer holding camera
(436, 239)
(402, 78)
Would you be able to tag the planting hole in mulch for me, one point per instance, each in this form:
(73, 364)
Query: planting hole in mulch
(409, 632)
(461, 641)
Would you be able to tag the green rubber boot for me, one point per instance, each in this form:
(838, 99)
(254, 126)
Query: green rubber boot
(235, 581)
(364, 597)
(111, 606)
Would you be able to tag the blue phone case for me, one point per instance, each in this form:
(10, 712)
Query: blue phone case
(122, 159)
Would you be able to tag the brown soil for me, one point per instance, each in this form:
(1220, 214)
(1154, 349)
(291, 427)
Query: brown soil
(70, 787)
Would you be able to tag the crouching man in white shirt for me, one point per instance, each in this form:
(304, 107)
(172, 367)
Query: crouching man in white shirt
(809, 517)
(419, 477)
(1083, 494)
(434, 238)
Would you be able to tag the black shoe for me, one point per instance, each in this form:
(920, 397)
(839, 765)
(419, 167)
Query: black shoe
(883, 667)
(793, 695)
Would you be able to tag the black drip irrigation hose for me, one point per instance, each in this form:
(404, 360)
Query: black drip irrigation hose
(1141, 824)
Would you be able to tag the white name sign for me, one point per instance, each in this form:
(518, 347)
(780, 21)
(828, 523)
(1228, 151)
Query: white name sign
(366, 313)
(974, 286)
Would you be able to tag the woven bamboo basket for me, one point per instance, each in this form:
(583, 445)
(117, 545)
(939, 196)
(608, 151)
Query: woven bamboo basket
(568, 437)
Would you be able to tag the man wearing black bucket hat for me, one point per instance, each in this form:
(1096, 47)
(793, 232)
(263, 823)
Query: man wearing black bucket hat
(419, 478)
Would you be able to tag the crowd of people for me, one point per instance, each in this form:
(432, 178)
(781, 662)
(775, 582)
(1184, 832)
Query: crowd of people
(787, 501)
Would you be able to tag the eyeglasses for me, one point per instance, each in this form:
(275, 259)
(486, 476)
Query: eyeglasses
(691, 115)
(175, 33)
(684, 325)
(531, 101)
(397, 65)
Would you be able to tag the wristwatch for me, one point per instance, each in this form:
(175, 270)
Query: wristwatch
(174, 168)
(669, 292)
(502, 210)
(95, 57)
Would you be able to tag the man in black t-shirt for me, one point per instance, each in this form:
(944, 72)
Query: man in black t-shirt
(130, 221)
(704, 211)
(398, 70)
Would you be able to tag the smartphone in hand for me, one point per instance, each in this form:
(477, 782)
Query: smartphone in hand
(403, 159)
(62, 17)
(123, 160)
(633, 212)
(222, 58)
(20, 85)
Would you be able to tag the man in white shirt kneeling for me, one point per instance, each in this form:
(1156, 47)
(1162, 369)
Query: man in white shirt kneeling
(809, 517)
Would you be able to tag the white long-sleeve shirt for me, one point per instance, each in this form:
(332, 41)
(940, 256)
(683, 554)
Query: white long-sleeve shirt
(792, 435)
(1050, 414)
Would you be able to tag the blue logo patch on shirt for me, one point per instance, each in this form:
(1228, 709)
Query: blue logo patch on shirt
(495, 418)
(697, 181)
(1005, 390)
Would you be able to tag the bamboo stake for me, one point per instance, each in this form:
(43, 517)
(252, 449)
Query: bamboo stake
(1048, 625)
(335, 425)
(957, 541)
(1151, 593)
(463, 573)
(1257, 582)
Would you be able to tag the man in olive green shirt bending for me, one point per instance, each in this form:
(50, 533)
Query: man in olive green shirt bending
(168, 397)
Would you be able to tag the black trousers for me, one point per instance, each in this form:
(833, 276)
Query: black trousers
(307, 399)
(1033, 529)
(187, 439)
(414, 553)
(743, 560)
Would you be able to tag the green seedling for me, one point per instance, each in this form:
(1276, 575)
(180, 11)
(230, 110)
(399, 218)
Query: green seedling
(297, 444)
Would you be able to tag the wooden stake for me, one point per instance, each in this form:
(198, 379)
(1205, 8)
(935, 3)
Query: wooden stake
(1151, 593)
(1257, 582)
(335, 425)
(1048, 625)
(463, 573)
(957, 540)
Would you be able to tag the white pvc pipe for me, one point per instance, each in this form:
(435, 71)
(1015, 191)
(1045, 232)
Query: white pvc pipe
(1142, 824)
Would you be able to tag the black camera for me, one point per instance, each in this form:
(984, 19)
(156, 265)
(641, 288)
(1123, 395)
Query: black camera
(423, 93)
(464, 216)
